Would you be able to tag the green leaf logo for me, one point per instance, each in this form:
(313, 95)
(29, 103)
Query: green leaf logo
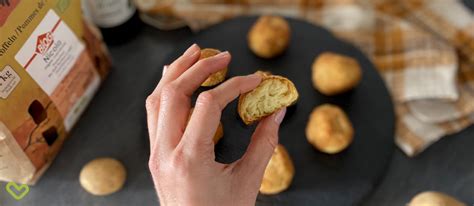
(17, 191)
(62, 5)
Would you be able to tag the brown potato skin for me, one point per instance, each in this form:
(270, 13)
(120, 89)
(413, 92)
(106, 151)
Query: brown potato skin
(335, 73)
(216, 77)
(269, 36)
(329, 129)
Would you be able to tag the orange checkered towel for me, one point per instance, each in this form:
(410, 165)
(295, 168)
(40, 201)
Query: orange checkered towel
(423, 49)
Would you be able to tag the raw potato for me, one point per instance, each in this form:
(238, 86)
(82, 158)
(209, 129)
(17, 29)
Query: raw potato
(218, 76)
(273, 93)
(269, 36)
(431, 198)
(219, 132)
(335, 73)
(329, 130)
(278, 173)
(102, 176)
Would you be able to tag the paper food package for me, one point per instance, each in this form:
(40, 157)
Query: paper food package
(52, 62)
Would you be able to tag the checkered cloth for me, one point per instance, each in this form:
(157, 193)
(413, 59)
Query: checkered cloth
(424, 50)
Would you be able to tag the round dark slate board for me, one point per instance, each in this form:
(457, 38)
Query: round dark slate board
(320, 179)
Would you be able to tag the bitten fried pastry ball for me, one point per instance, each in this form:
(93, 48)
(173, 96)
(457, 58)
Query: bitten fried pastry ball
(218, 76)
(278, 173)
(335, 73)
(273, 93)
(431, 198)
(269, 36)
(329, 129)
(219, 132)
(102, 176)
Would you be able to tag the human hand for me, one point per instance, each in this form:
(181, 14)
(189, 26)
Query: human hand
(182, 160)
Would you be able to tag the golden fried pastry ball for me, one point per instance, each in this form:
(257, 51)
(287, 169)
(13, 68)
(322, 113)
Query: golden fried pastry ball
(431, 198)
(219, 132)
(273, 93)
(278, 173)
(335, 73)
(269, 36)
(218, 76)
(102, 176)
(329, 130)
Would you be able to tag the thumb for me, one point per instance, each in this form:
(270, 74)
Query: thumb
(263, 143)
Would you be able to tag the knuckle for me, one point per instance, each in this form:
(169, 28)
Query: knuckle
(204, 62)
(178, 63)
(237, 80)
(151, 102)
(207, 66)
(272, 140)
(208, 99)
(153, 163)
(169, 91)
(179, 161)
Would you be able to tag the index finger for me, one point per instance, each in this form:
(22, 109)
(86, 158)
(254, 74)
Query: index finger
(207, 112)
(178, 67)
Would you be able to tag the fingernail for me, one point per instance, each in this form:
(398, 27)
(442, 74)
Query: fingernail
(164, 70)
(222, 54)
(191, 51)
(254, 77)
(280, 115)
